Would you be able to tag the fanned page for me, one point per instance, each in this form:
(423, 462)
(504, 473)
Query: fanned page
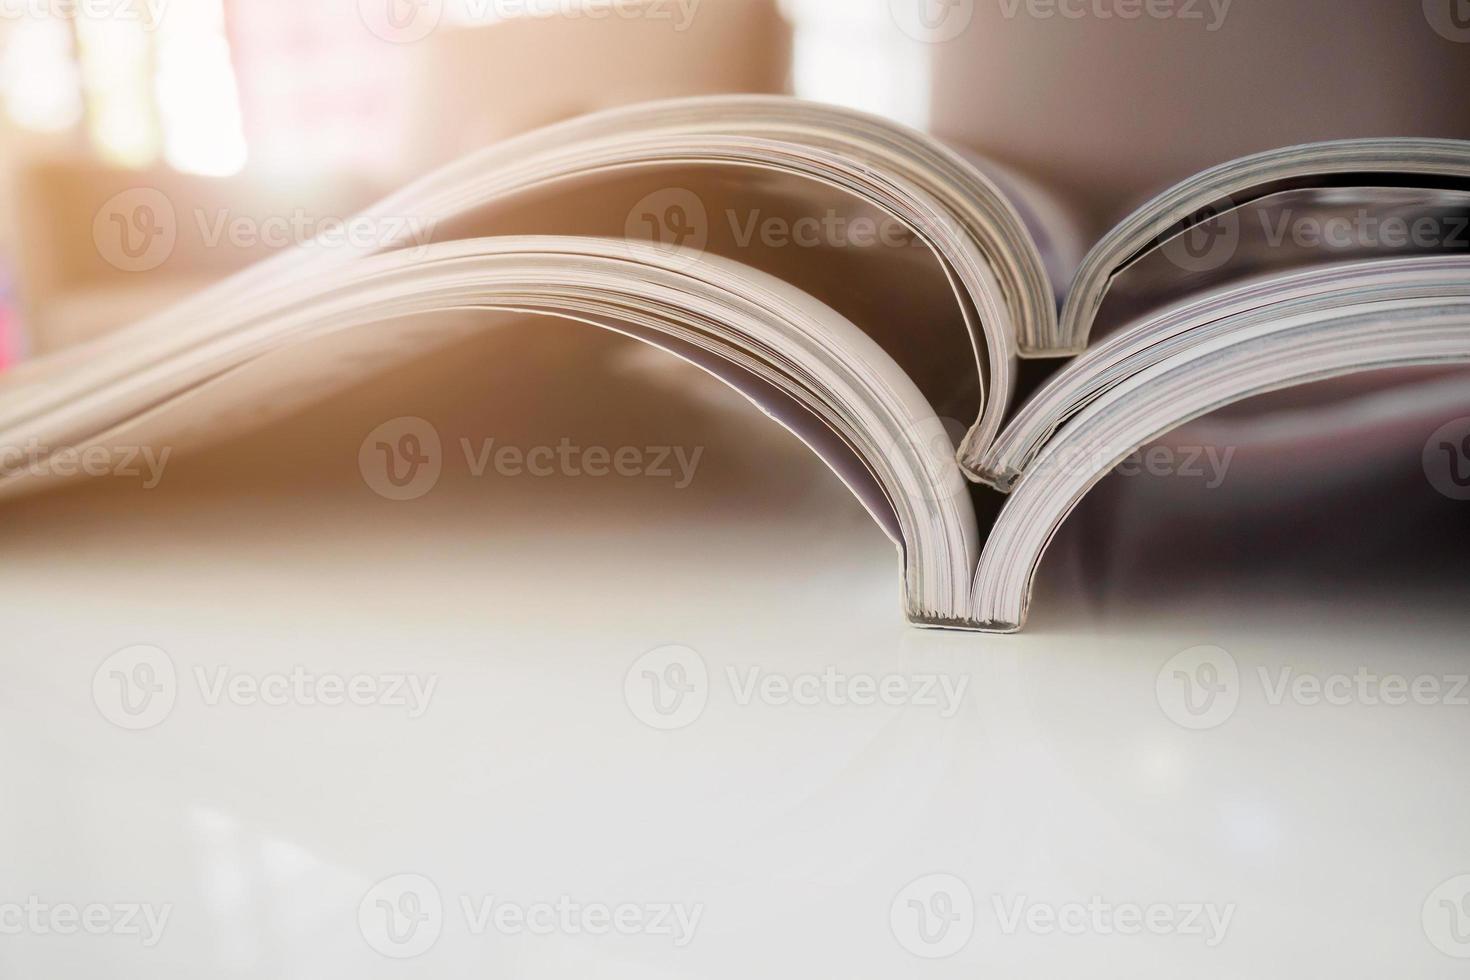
(904, 276)
(867, 287)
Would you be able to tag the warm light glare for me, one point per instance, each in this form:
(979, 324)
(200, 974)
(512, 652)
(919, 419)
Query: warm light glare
(198, 103)
(38, 76)
(850, 54)
(116, 71)
(309, 99)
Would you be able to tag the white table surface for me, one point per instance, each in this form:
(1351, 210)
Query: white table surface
(799, 833)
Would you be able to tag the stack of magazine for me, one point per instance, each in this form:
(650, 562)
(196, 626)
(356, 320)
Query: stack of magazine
(861, 283)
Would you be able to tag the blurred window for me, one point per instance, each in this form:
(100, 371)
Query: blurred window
(194, 83)
(38, 76)
(142, 89)
(853, 53)
(315, 89)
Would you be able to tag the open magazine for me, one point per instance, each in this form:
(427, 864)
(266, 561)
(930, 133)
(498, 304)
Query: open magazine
(860, 282)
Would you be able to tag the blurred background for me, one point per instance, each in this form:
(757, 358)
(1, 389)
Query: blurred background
(286, 108)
